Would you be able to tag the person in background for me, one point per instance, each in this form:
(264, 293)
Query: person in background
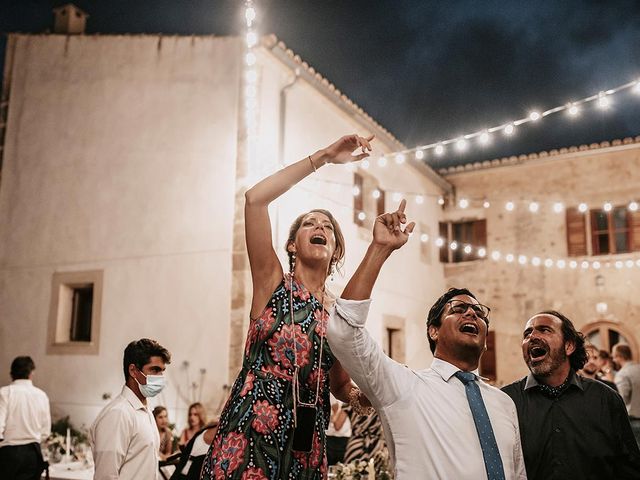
(25, 421)
(606, 368)
(124, 438)
(197, 419)
(194, 452)
(338, 432)
(166, 437)
(590, 369)
(628, 383)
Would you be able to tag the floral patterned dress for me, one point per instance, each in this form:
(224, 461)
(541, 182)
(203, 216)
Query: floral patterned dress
(254, 439)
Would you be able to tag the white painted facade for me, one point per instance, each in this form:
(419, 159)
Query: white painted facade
(121, 155)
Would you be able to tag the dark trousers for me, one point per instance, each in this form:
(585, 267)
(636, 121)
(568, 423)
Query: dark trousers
(21, 462)
(335, 449)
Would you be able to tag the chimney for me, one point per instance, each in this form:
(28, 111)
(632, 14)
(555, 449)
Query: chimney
(69, 19)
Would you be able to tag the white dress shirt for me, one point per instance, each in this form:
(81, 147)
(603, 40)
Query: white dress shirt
(125, 440)
(628, 384)
(25, 416)
(428, 425)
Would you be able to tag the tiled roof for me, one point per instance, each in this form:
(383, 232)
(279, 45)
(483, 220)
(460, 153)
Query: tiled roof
(519, 159)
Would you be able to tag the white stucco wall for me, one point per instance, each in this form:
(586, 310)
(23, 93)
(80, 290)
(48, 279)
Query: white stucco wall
(120, 155)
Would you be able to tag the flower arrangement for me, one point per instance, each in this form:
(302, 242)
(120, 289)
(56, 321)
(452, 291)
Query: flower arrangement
(66, 442)
(377, 468)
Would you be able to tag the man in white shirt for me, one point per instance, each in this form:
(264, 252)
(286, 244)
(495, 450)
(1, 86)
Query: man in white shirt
(628, 382)
(124, 438)
(25, 421)
(432, 424)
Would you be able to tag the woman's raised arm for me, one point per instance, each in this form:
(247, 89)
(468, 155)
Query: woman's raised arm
(266, 271)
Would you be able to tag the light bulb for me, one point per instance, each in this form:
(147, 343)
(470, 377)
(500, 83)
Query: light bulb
(250, 59)
(463, 203)
(439, 150)
(583, 207)
(495, 255)
(356, 191)
(482, 252)
(558, 207)
(252, 39)
(461, 144)
(467, 249)
(375, 194)
(400, 158)
(509, 129)
(534, 116)
(419, 154)
(633, 206)
(509, 206)
(419, 199)
(486, 204)
(424, 238)
(439, 242)
(362, 216)
(607, 207)
(534, 207)
(382, 162)
(484, 138)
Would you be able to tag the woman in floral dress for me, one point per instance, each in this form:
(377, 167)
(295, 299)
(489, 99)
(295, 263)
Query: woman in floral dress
(288, 368)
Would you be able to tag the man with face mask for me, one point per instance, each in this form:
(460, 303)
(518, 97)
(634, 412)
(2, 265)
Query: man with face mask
(124, 437)
(570, 426)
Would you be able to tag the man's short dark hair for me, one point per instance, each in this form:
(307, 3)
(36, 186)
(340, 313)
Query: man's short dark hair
(435, 312)
(569, 333)
(623, 351)
(139, 352)
(21, 368)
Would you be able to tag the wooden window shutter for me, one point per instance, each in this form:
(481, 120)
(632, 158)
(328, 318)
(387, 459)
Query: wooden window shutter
(479, 233)
(444, 250)
(634, 231)
(488, 360)
(576, 233)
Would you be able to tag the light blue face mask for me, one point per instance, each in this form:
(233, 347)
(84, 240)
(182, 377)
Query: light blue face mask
(155, 384)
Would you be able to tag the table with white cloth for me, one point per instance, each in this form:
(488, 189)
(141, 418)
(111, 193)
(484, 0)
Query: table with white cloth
(70, 471)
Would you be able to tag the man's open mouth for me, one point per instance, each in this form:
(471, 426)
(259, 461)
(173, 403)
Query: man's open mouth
(318, 240)
(470, 328)
(537, 352)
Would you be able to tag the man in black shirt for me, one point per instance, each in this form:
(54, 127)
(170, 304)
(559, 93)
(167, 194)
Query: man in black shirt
(570, 426)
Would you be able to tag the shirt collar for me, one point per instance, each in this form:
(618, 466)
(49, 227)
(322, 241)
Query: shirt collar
(573, 380)
(446, 370)
(22, 381)
(132, 398)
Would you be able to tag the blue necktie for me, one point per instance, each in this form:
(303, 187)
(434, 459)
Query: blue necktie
(490, 452)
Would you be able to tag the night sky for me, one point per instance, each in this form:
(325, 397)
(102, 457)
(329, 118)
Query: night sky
(425, 70)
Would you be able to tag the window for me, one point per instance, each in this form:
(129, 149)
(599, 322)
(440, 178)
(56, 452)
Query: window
(394, 337)
(469, 232)
(605, 334)
(488, 360)
(602, 232)
(368, 200)
(74, 315)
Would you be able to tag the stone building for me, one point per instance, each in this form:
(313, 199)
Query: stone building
(124, 163)
(573, 234)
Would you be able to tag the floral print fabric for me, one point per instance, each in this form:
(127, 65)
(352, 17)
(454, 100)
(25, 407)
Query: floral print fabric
(255, 435)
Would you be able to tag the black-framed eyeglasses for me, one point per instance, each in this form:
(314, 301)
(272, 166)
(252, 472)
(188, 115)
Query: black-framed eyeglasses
(458, 306)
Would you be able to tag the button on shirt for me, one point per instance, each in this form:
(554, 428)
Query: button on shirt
(125, 440)
(628, 383)
(24, 414)
(427, 421)
(583, 433)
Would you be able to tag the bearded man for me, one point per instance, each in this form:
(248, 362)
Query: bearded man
(570, 426)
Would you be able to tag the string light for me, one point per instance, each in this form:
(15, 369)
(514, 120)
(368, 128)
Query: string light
(509, 206)
(250, 87)
(382, 162)
(602, 100)
(583, 207)
(463, 203)
(558, 207)
(534, 207)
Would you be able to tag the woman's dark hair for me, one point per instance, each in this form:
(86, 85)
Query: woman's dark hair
(158, 410)
(569, 333)
(21, 368)
(435, 312)
(139, 352)
(338, 255)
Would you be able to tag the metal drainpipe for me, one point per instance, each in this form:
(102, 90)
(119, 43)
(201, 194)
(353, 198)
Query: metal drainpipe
(281, 138)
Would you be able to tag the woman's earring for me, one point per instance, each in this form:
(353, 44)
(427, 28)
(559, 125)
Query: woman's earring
(332, 270)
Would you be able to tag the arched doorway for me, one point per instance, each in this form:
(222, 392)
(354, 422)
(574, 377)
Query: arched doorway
(604, 334)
